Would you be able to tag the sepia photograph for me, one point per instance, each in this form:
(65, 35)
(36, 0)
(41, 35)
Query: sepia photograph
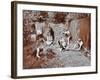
(56, 39)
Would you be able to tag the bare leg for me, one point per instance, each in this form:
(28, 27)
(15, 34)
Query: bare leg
(80, 46)
(37, 54)
(68, 42)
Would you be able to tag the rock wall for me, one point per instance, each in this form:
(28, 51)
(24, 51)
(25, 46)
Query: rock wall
(85, 31)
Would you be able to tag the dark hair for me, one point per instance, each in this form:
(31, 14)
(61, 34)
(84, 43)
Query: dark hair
(33, 29)
(52, 32)
(33, 26)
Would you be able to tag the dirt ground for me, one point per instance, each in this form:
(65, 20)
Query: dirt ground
(55, 59)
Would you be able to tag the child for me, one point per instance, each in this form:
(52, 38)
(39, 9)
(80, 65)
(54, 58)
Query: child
(78, 45)
(68, 36)
(62, 43)
(33, 32)
(50, 36)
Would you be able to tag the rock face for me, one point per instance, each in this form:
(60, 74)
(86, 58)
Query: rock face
(85, 33)
(74, 29)
(51, 57)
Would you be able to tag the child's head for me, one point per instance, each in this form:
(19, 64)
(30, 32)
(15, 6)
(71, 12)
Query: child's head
(33, 26)
(41, 19)
(79, 40)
